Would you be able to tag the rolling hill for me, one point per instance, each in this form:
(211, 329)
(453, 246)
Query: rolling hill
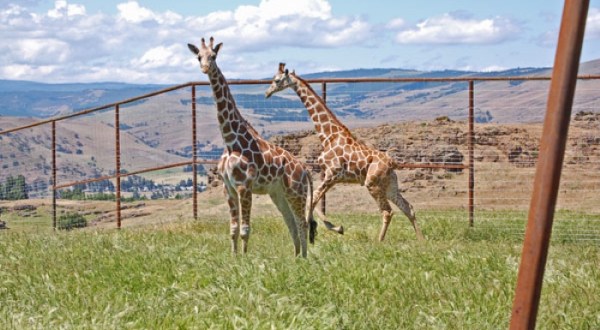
(158, 130)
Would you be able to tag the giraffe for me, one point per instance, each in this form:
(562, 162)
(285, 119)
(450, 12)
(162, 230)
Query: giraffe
(250, 164)
(345, 159)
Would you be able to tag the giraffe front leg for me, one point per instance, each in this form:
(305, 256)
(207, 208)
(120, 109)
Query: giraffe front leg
(384, 207)
(234, 212)
(317, 195)
(245, 196)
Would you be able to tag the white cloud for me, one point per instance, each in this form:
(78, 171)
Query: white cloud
(161, 56)
(132, 12)
(66, 43)
(63, 9)
(40, 51)
(452, 29)
(24, 71)
(592, 29)
(396, 23)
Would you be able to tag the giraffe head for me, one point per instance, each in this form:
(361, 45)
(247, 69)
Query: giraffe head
(206, 55)
(281, 81)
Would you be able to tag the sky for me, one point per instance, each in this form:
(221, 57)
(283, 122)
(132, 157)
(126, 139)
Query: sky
(145, 41)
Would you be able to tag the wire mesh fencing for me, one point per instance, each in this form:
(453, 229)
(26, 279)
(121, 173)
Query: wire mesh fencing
(151, 159)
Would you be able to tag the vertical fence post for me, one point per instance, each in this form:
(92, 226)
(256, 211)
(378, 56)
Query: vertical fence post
(324, 97)
(549, 165)
(118, 165)
(54, 174)
(471, 142)
(194, 156)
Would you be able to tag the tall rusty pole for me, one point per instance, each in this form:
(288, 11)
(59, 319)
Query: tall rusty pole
(118, 165)
(549, 166)
(194, 156)
(54, 174)
(471, 143)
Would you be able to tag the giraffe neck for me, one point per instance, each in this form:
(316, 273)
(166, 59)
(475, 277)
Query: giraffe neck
(326, 123)
(231, 123)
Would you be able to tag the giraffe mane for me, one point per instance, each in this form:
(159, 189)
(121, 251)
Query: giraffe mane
(334, 117)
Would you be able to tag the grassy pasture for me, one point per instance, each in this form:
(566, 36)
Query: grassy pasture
(182, 275)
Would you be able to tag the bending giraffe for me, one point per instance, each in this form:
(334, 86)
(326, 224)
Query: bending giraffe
(345, 159)
(250, 164)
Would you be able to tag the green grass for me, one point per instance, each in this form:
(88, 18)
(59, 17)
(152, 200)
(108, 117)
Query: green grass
(182, 275)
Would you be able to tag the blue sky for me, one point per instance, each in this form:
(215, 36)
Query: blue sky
(145, 41)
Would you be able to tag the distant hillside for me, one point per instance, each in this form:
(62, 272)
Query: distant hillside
(373, 102)
(33, 99)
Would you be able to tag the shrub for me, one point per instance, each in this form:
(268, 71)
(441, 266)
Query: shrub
(71, 220)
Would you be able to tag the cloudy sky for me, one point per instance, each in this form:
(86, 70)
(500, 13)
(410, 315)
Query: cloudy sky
(144, 41)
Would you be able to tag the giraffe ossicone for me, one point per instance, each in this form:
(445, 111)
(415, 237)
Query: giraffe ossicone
(250, 164)
(344, 158)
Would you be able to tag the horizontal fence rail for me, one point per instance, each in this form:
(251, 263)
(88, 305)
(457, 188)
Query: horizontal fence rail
(475, 192)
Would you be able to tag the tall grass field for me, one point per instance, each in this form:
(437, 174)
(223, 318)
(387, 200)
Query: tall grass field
(182, 275)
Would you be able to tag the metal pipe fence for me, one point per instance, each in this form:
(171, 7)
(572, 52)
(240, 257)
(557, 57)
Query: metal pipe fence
(150, 137)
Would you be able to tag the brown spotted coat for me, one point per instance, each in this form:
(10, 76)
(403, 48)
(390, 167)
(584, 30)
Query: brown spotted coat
(345, 159)
(250, 164)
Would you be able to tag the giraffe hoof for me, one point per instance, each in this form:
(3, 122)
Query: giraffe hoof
(330, 226)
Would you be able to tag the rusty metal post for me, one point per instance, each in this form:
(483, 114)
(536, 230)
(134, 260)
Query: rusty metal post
(54, 174)
(194, 156)
(118, 165)
(324, 97)
(549, 166)
(471, 142)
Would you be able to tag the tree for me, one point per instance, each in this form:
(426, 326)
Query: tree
(14, 188)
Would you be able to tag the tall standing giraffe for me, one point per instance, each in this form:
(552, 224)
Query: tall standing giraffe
(345, 159)
(250, 164)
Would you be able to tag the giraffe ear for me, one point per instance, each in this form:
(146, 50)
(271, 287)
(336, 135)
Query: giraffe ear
(287, 72)
(194, 49)
(217, 47)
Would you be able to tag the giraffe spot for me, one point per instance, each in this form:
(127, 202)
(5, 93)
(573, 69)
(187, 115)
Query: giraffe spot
(264, 170)
(338, 151)
(236, 146)
(221, 104)
(323, 118)
(273, 171)
(348, 149)
(226, 129)
(229, 138)
(267, 158)
(218, 93)
(238, 174)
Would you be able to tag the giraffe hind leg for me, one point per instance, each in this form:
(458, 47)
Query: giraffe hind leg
(288, 218)
(396, 197)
